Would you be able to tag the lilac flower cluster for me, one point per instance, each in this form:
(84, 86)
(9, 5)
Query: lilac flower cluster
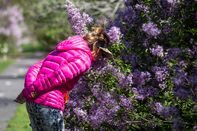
(141, 93)
(78, 21)
(81, 114)
(140, 78)
(142, 7)
(127, 81)
(157, 51)
(125, 102)
(11, 20)
(161, 73)
(173, 2)
(151, 29)
(114, 34)
(117, 73)
(106, 110)
(127, 15)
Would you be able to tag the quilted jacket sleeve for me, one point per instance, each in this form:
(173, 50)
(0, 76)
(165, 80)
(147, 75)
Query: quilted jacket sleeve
(68, 69)
(32, 73)
(30, 77)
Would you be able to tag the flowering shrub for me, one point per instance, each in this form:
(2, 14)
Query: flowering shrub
(11, 21)
(152, 81)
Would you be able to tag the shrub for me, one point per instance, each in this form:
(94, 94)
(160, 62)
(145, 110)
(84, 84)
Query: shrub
(151, 83)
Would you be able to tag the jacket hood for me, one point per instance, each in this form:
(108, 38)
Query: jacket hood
(74, 43)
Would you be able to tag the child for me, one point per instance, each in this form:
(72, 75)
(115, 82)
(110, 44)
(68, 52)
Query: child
(48, 82)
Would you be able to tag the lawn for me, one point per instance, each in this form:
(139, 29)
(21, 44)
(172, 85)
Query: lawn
(20, 121)
(4, 64)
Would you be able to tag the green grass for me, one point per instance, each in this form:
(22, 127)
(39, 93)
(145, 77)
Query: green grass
(4, 64)
(20, 121)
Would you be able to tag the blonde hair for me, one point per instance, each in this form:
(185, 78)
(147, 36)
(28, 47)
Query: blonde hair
(97, 37)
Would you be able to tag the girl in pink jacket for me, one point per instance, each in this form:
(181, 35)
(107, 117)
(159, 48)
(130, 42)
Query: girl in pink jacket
(48, 82)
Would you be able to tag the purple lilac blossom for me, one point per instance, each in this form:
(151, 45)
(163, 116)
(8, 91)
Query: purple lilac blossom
(142, 7)
(161, 73)
(77, 20)
(72, 103)
(162, 85)
(157, 51)
(96, 90)
(127, 81)
(81, 114)
(173, 2)
(189, 52)
(114, 71)
(151, 29)
(168, 3)
(110, 103)
(114, 34)
(182, 64)
(125, 102)
(127, 15)
(195, 128)
(87, 18)
(141, 93)
(104, 111)
(140, 78)
(98, 116)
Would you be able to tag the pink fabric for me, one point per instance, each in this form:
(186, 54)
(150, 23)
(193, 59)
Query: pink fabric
(57, 74)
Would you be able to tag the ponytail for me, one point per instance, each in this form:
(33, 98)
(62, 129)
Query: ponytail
(97, 37)
(98, 42)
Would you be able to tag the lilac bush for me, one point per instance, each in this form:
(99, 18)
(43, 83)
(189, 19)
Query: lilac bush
(151, 82)
(11, 19)
(11, 29)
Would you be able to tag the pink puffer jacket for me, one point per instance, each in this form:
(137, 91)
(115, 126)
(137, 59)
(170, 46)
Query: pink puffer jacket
(53, 77)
